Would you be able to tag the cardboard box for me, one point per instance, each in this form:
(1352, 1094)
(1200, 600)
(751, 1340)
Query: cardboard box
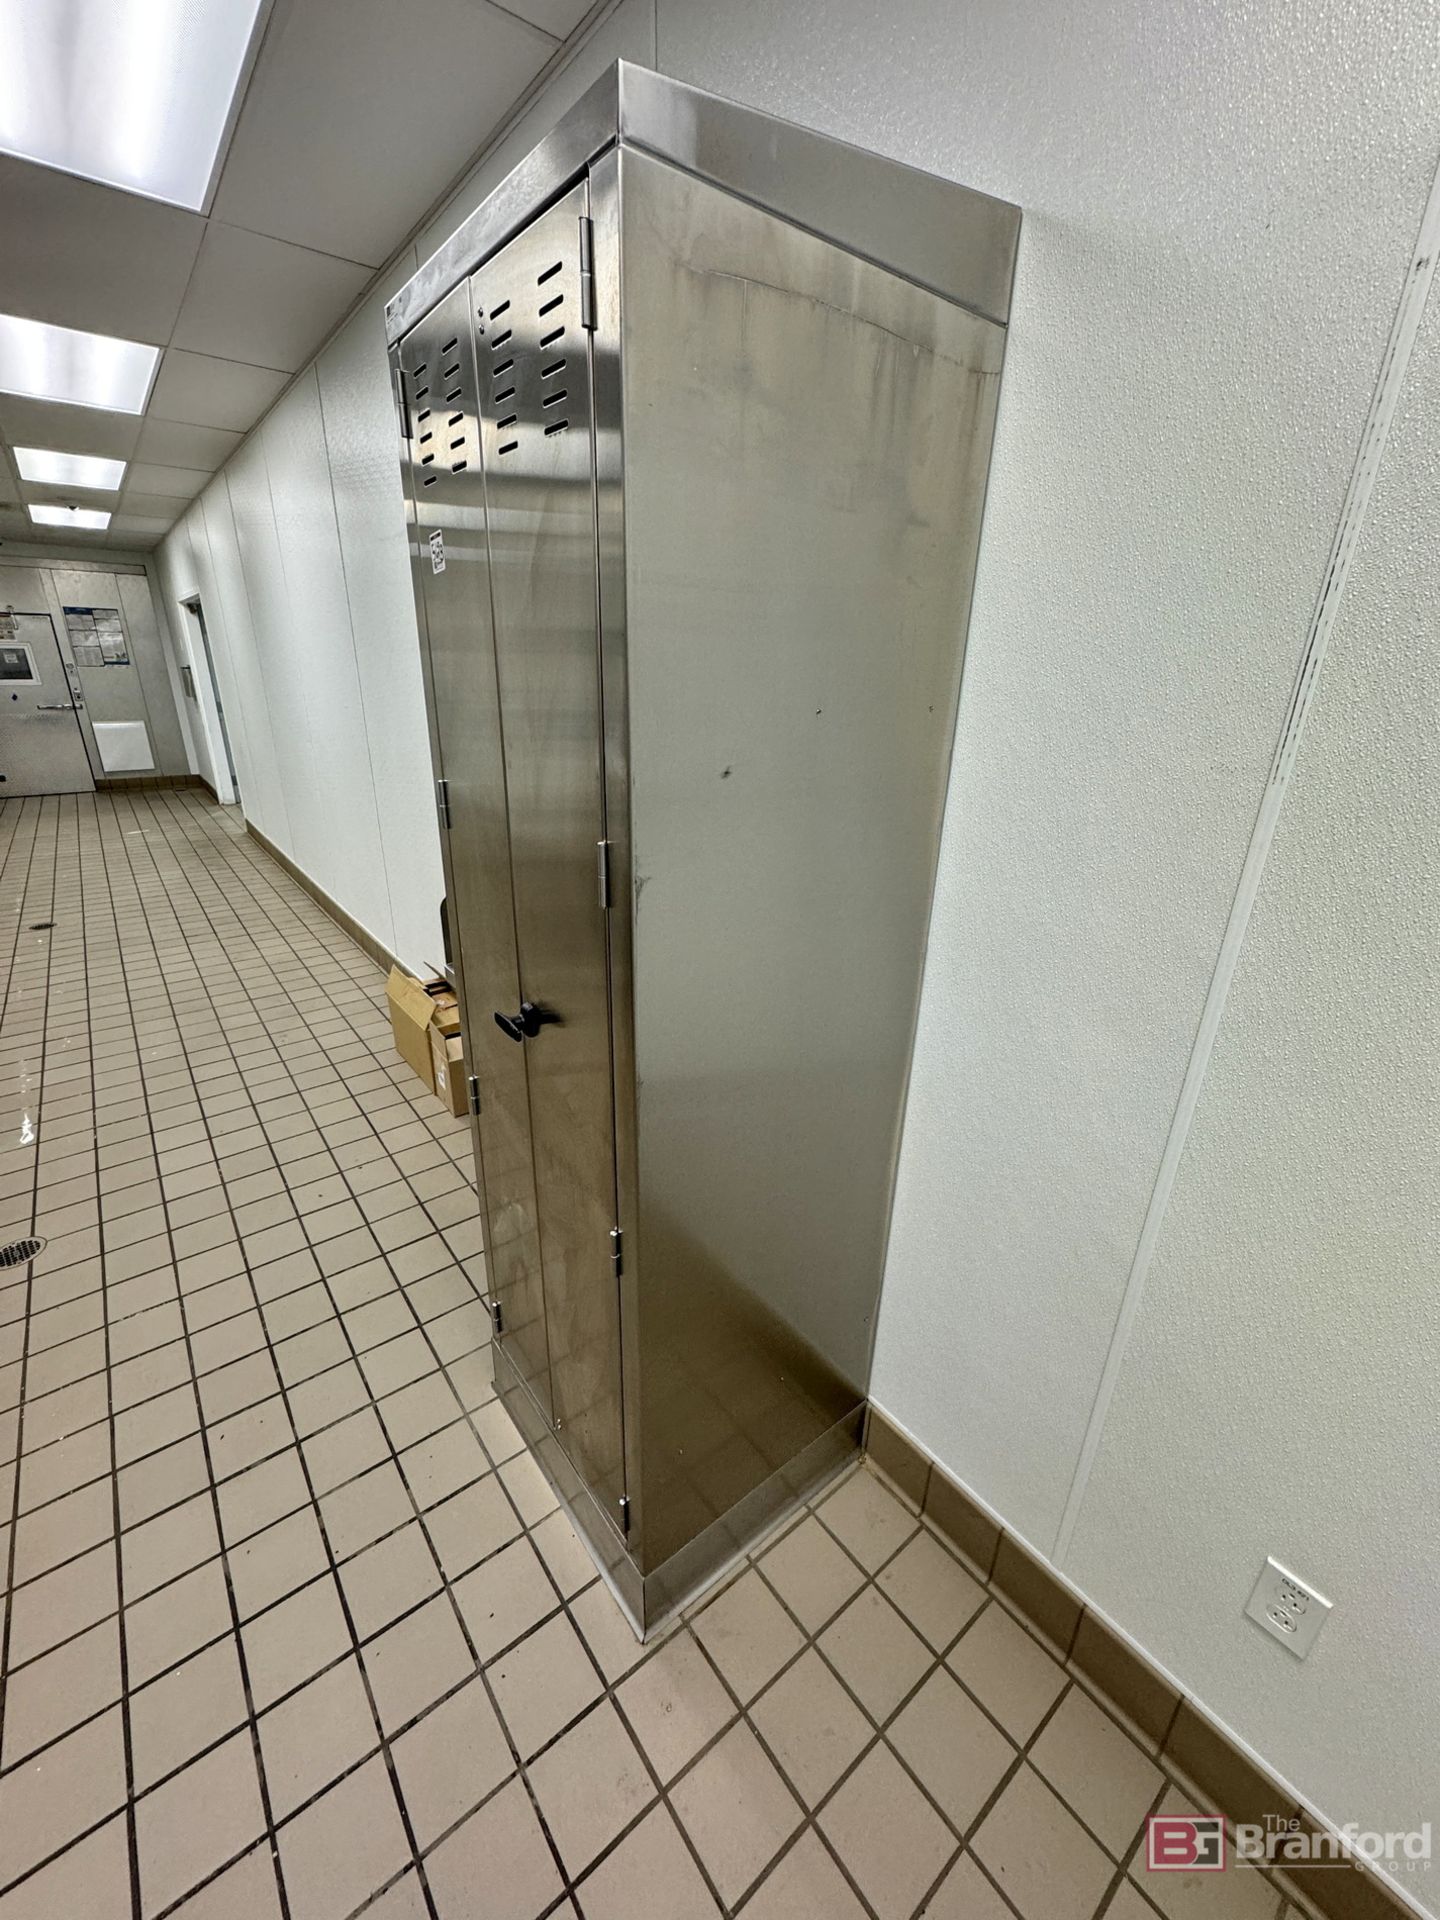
(447, 1066)
(425, 1020)
(411, 1010)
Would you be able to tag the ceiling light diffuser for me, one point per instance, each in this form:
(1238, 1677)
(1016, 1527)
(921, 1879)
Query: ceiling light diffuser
(84, 369)
(68, 469)
(70, 517)
(135, 93)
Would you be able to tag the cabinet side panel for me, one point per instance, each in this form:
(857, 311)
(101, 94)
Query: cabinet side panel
(806, 445)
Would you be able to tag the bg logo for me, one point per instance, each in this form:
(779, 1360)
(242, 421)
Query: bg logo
(1174, 1844)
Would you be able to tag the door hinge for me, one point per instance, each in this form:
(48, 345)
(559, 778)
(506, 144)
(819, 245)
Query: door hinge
(624, 1513)
(474, 1086)
(402, 405)
(442, 801)
(617, 1251)
(587, 272)
(497, 1316)
(602, 849)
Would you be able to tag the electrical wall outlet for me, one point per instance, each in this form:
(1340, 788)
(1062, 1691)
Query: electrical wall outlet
(1285, 1607)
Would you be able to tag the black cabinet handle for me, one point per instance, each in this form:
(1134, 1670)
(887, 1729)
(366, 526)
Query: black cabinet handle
(528, 1022)
(520, 1026)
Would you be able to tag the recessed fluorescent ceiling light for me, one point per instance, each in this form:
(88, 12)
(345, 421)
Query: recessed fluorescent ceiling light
(85, 369)
(133, 92)
(69, 517)
(69, 469)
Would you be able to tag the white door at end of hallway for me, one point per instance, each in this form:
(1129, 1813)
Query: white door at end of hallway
(42, 749)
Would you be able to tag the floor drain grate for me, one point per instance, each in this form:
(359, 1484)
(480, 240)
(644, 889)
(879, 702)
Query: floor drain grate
(19, 1251)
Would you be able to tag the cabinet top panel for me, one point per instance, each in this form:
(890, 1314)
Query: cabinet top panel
(958, 243)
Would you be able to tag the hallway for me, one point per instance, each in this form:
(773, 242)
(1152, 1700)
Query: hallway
(296, 1628)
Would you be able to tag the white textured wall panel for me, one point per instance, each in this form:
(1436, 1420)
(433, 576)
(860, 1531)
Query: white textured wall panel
(337, 836)
(363, 449)
(151, 662)
(276, 645)
(204, 573)
(175, 564)
(232, 636)
(1219, 208)
(1281, 1389)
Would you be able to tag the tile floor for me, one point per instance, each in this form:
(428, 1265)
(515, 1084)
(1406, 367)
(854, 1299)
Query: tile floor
(294, 1628)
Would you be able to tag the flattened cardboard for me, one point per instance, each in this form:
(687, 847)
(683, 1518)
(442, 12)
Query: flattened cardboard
(411, 1009)
(447, 1066)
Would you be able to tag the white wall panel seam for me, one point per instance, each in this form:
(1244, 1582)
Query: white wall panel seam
(261, 796)
(174, 649)
(1384, 401)
(205, 681)
(250, 607)
(222, 665)
(159, 600)
(354, 650)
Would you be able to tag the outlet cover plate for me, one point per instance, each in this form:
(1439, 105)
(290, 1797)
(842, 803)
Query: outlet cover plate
(1287, 1609)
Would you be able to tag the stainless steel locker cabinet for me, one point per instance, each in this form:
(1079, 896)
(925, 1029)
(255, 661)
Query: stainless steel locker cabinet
(696, 413)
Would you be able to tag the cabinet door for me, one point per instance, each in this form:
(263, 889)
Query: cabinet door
(451, 558)
(537, 439)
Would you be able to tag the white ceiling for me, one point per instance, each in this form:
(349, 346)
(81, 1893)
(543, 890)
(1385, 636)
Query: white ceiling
(357, 116)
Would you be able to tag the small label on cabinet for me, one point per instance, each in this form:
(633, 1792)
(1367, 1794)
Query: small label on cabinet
(437, 552)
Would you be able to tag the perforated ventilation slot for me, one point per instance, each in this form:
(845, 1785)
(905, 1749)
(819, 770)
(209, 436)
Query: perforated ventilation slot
(557, 395)
(422, 414)
(19, 1251)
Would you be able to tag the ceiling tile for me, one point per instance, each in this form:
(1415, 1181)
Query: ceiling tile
(42, 493)
(212, 393)
(176, 444)
(263, 301)
(48, 423)
(22, 527)
(9, 489)
(557, 17)
(136, 530)
(376, 119)
(175, 483)
(81, 255)
(136, 500)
